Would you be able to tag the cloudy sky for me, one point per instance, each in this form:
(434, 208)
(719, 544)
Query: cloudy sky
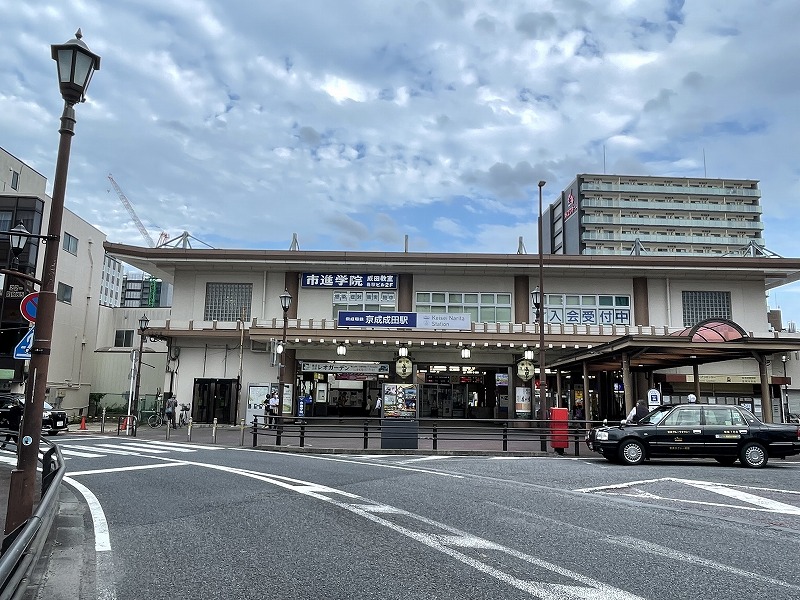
(356, 123)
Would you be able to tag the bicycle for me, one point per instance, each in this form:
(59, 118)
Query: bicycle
(184, 418)
(155, 420)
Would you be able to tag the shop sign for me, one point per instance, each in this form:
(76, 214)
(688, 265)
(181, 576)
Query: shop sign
(725, 378)
(323, 367)
(349, 280)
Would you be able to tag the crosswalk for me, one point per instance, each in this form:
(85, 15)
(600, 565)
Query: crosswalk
(100, 449)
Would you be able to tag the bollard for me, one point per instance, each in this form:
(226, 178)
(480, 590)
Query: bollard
(277, 423)
(302, 434)
(241, 426)
(214, 431)
(189, 429)
(103, 421)
(505, 437)
(366, 434)
(435, 438)
(255, 431)
(169, 429)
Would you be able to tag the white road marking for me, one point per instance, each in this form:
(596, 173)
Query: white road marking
(142, 448)
(134, 468)
(106, 590)
(67, 452)
(423, 458)
(757, 503)
(378, 464)
(102, 542)
(191, 445)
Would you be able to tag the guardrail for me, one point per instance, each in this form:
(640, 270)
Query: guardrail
(22, 547)
(504, 435)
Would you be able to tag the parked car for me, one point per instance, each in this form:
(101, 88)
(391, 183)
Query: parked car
(11, 409)
(724, 432)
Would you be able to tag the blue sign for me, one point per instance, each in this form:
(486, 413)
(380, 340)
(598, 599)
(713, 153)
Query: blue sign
(376, 319)
(349, 280)
(22, 351)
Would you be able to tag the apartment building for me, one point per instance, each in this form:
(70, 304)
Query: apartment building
(658, 216)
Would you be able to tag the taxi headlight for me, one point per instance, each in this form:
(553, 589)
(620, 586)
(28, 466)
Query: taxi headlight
(46, 414)
(601, 436)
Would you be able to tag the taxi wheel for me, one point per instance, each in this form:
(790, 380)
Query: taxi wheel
(631, 452)
(753, 455)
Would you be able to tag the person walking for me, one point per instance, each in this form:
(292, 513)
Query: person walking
(172, 406)
(637, 412)
(272, 410)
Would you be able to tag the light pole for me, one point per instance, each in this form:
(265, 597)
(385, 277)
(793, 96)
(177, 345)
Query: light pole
(143, 324)
(76, 65)
(286, 302)
(785, 399)
(540, 310)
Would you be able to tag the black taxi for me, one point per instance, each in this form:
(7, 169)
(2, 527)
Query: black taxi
(724, 432)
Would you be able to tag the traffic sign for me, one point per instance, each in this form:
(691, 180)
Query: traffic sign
(28, 306)
(22, 351)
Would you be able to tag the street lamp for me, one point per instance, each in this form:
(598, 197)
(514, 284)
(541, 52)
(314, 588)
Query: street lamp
(466, 353)
(18, 237)
(143, 323)
(76, 65)
(540, 310)
(785, 399)
(341, 350)
(286, 302)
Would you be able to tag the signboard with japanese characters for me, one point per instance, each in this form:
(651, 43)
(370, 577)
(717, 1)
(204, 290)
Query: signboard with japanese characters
(323, 367)
(441, 321)
(349, 280)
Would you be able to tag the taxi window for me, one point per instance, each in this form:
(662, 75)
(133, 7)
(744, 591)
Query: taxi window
(682, 417)
(725, 416)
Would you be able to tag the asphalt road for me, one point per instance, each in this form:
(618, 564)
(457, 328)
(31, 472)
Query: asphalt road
(177, 520)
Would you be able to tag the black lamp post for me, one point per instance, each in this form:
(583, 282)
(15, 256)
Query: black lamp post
(18, 237)
(540, 310)
(76, 65)
(286, 303)
(143, 324)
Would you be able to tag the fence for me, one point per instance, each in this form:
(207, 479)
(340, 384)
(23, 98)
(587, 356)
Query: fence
(498, 435)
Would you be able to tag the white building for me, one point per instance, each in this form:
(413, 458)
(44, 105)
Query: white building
(615, 214)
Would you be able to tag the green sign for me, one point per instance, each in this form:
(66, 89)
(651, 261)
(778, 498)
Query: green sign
(6, 374)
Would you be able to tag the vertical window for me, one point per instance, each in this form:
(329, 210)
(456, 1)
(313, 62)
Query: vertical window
(700, 306)
(70, 243)
(228, 301)
(14, 180)
(64, 293)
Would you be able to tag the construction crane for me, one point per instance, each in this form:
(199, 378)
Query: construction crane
(126, 203)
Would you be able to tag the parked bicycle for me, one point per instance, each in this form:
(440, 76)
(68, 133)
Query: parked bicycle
(183, 419)
(156, 420)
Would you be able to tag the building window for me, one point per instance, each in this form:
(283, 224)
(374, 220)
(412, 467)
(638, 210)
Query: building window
(482, 307)
(360, 301)
(123, 338)
(64, 293)
(228, 301)
(700, 306)
(14, 180)
(70, 243)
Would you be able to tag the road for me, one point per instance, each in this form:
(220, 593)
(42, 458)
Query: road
(181, 520)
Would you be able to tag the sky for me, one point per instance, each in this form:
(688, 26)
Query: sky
(357, 123)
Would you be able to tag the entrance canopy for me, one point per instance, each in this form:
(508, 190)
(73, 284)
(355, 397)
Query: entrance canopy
(715, 340)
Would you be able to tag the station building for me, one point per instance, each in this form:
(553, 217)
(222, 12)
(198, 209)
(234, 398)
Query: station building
(460, 330)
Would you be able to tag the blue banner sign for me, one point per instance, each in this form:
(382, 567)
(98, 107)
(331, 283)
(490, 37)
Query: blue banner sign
(349, 280)
(376, 319)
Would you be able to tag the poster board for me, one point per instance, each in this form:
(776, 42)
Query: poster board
(257, 396)
(400, 401)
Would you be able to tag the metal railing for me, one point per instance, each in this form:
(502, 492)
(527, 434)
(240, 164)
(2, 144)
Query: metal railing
(22, 547)
(457, 435)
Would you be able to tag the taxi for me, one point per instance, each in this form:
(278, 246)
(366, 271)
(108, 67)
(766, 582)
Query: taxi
(726, 433)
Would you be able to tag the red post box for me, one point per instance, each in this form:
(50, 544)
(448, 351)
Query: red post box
(559, 429)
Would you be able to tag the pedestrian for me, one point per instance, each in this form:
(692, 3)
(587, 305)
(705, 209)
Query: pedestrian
(578, 414)
(367, 406)
(340, 402)
(273, 409)
(172, 405)
(378, 404)
(637, 412)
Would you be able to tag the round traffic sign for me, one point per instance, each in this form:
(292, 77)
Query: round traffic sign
(28, 306)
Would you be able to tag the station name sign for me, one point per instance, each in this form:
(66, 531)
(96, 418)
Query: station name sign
(410, 320)
(349, 280)
(324, 367)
